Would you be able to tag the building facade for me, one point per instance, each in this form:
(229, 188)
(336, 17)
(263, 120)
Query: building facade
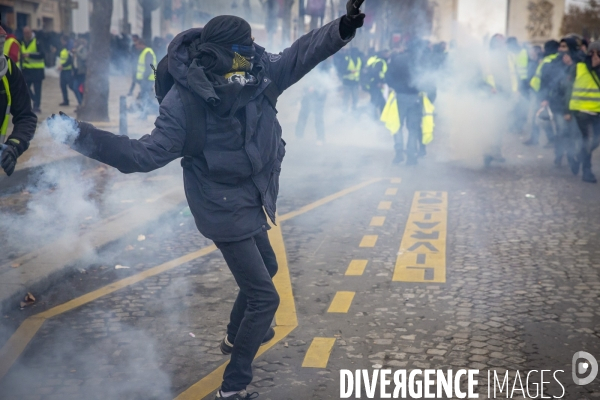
(534, 21)
(46, 15)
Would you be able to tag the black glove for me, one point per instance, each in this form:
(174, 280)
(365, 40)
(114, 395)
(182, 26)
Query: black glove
(10, 153)
(61, 132)
(354, 17)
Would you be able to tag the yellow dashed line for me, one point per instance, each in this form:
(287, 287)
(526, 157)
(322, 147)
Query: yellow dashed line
(356, 267)
(391, 191)
(341, 302)
(377, 221)
(384, 205)
(368, 241)
(318, 353)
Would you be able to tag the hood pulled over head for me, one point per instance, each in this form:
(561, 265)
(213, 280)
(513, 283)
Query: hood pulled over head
(222, 37)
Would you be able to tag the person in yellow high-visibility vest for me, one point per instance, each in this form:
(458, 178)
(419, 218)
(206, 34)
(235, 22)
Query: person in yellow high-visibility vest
(550, 54)
(349, 63)
(32, 64)
(65, 66)
(584, 106)
(12, 47)
(15, 102)
(372, 77)
(145, 75)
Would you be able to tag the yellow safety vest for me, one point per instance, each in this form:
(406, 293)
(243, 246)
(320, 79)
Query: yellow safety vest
(29, 63)
(141, 68)
(520, 62)
(514, 81)
(374, 60)
(536, 81)
(64, 57)
(391, 117)
(586, 92)
(4, 127)
(427, 123)
(353, 69)
(8, 44)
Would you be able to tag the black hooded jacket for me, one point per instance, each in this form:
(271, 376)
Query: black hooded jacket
(238, 174)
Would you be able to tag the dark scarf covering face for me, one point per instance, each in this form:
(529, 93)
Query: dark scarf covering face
(213, 56)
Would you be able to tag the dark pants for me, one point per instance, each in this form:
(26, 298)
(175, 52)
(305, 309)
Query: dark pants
(75, 83)
(377, 99)
(350, 92)
(36, 93)
(567, 137)
(252, 262)
(411, 114)
(312, 102)
(146, 97)
(590, 135)
(66, 77)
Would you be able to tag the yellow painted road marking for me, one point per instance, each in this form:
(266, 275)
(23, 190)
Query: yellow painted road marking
(422, 254)
(356, 267)
(368, 241)
(391, 191)
(327, 199)
(384, 205)
(377, 221)
(318, 353)
(341, 302)
(396, 180)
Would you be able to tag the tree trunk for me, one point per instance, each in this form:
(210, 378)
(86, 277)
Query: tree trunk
(147, 25)
(95, 100)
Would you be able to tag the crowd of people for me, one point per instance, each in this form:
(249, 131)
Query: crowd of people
(552, 88)
(34, 51)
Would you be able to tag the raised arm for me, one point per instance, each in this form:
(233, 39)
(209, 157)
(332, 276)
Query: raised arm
(289, 66)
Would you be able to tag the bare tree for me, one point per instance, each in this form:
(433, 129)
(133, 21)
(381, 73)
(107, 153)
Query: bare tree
(95, 101)
(583, 21)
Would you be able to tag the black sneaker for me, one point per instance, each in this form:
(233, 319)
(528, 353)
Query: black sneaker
(243, 395)
(588, 176)
(226, 346)
(574, 164)
(398, 158)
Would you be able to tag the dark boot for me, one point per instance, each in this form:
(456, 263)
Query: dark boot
(588, 176)
(574, 164)
(398, 158)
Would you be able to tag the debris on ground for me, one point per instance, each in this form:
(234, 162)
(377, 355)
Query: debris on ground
(530, 196)
(286, 344)
(192, 335)
(29, 300)
(121, 267)
(129, 248)
(141, 238)
(15, 265)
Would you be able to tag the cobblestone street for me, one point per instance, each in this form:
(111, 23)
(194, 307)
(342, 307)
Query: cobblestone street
(513, 286)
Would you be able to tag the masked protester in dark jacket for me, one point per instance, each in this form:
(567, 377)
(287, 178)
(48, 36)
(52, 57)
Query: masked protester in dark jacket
(237, 174)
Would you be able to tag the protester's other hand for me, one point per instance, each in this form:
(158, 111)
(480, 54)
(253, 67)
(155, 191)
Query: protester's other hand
(63, 128)
(8, 159)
